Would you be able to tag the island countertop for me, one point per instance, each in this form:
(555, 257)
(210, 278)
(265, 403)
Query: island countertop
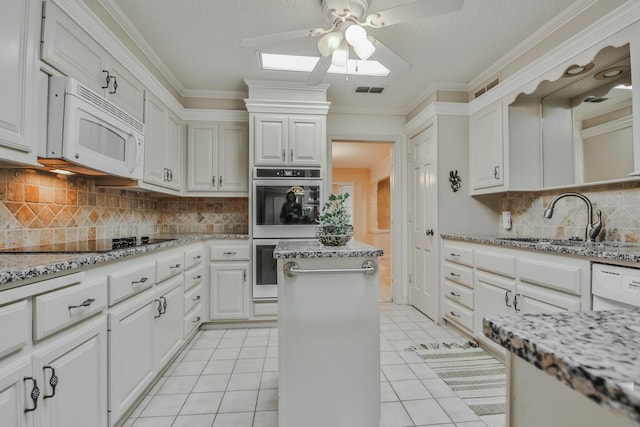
(315, 249)
(596, 353)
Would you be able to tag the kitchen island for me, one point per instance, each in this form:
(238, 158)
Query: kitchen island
(571, 368)
(328, 334)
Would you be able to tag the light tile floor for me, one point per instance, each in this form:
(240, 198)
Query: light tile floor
(229, 378)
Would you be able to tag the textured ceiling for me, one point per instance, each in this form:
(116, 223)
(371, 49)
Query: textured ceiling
(197, 42)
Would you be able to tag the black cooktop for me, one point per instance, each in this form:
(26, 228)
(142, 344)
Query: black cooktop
(96, 245)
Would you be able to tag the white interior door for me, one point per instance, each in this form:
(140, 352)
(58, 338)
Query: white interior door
(424, 272)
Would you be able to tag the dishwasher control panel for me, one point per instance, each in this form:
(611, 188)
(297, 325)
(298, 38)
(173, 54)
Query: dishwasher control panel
(615, 286)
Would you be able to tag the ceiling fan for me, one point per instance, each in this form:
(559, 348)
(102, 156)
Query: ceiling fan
(348, 19)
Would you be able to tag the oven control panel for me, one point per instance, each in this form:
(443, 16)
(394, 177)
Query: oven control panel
(286, 173)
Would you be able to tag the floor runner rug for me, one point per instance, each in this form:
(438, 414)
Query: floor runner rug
(476, 376)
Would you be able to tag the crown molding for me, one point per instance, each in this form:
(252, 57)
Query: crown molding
(194, 114)
(432, 110)
(372, 110)
(432, 89)
(130, 29)
(287, 106)
(214, 94)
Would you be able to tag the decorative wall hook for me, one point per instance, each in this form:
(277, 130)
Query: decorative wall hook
(455, 180)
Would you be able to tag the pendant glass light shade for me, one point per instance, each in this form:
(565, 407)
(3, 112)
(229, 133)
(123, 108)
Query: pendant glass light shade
(364, 50)
(329, 43)
(355, 35)
(340, 55)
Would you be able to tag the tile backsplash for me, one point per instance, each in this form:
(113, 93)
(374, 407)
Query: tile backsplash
(619, 203)
(39, 208)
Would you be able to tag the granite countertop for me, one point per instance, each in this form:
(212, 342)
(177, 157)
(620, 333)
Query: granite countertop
(315, 249)
(617, 251)
(596, 353)
(18, 266)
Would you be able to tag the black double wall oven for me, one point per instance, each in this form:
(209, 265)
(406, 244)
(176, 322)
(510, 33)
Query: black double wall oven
(285, 205)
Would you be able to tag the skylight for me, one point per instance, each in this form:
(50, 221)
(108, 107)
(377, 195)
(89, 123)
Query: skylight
(271, 61)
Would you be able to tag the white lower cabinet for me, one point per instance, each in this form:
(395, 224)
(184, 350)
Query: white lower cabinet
(229, 290)
(131, 358)
(167, 327)
(73, 374)
(16, 384)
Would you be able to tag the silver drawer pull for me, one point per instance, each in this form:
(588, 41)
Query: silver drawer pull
(453, 313)
(454, 294)
(455, 255)
(142, 280)
(85, 303)
(228, 253)
(197, 298)
(175, 266)
(198, 277)
(454, 275)
(197, 257)
(196, 320)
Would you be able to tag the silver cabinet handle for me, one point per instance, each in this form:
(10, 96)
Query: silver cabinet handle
(496, 173)
(515, 302)
(196, 320)
(244, 275)
(506, 298)
(213, 181)
(454, 314)
(454, 255)
(115, 85)
(35, 393)
(197, 298)
(452, 274)
(220, 181)
(228, 253)
(284, 155)
(198, 277)
(175, 266)
(107, 79)
(291, 158)
(197, 257)
(142, 280)
(85, 303)
(454, 294)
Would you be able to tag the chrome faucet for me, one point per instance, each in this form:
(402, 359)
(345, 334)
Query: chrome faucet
(592, 230)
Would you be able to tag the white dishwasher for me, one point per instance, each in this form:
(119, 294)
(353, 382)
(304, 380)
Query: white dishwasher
(615, 287)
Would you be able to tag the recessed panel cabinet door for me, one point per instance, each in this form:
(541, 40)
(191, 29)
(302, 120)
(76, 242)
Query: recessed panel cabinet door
(74, 378)
(486, 147)
(202, 145)
(306, 140)
(270, 132)
(229, 292)
(16, 384)
(233, 157)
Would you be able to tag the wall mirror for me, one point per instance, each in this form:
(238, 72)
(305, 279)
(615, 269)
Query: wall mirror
(584, 121)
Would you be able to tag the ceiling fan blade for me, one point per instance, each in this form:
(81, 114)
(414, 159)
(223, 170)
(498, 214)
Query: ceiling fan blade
(394, 62)
(411, 11)
(281, 37)
(319, 71)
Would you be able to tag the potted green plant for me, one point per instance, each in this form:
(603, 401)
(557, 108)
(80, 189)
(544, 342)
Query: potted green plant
(335, 227)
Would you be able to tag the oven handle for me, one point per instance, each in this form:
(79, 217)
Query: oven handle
(292, 269)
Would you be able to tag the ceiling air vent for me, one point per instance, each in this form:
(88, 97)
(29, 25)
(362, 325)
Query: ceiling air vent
(595, 99)
(368, 89)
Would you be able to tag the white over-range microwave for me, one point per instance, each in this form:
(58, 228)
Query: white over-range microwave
(88, 134)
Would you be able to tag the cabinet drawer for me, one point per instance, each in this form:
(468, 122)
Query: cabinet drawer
(458, 273)
(16, 336)
(56, 310)
(458, 254)
(221, 253)
(169, 266)
(192, 320)
(193, 277)
(129, 282)
(192, 298)
(504, 264)
(193, 257)
(562, 277)
(265, 309)
(458, 314)
(458, 293)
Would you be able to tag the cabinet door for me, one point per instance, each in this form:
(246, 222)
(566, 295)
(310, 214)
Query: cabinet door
(68, 48)
(306, 140)
(18, 84)
(486, 147)
(493, 295)
(229, 290)
(173, 154)
(78, 368)
(15, 388)
(202, 144)
(125, 90)
(233, 157)
(155, 170)
(130, 352)
(168, 325)
(271, 139)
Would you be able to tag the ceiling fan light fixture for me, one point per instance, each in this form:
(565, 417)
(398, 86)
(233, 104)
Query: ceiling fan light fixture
(340, 55)
(364, 50)
(355, 35)
(329, 43)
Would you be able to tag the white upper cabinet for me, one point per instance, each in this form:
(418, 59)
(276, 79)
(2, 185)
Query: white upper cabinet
(486, 148)
(218, 157)
(68, 48)
(18, 85)
(163, 145)
(289, 140)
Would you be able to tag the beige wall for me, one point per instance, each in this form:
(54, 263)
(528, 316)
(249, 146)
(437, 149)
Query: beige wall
(360, 180)
(39, 208)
